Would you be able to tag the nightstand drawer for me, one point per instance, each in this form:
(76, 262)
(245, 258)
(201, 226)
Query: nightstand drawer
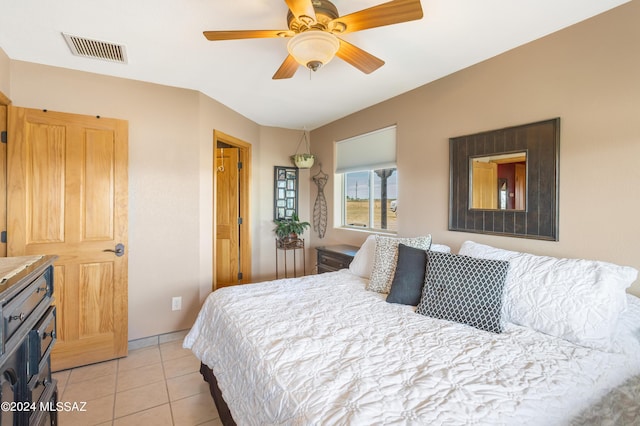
(333, 262)
(334, 258)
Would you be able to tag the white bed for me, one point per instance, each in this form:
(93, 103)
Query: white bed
(323, 350)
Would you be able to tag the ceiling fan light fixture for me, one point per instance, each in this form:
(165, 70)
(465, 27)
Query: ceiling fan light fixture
(313, 48)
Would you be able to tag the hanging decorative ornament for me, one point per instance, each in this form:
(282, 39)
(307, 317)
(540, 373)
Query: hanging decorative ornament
(320, 205)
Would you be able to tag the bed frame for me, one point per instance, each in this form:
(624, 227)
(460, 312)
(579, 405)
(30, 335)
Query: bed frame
(221, 405)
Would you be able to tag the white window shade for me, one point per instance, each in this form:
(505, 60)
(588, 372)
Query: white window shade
(372, 151)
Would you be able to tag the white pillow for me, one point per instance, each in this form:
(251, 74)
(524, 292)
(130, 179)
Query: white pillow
(384, 263)
(575, 299)
(362, 262)
(440, 248)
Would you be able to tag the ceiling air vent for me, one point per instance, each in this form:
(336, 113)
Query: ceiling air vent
(96, 49)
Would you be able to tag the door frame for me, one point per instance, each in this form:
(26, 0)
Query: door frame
(244, 156)
(4, 117)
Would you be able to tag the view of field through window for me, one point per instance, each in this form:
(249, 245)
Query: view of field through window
(364, 192)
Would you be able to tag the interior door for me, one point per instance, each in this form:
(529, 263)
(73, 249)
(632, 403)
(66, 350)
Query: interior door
(485, 185)
(227, 215)
(67, 195)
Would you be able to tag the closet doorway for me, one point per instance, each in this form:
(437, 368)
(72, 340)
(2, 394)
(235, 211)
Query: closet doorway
(231, 210)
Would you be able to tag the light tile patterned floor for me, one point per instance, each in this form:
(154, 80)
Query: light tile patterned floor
(155, 385)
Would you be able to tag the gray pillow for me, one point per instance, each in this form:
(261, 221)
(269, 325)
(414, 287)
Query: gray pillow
(464, 289)
(406, 287)
(386, 257)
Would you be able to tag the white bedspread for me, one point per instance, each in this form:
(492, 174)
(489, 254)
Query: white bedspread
(321, 350)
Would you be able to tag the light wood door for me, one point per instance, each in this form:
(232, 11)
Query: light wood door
(227, 215)
(67, 195)
(485, 185)
(223, 193)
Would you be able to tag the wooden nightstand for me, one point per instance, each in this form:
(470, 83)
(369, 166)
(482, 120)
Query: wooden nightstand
(333, 258)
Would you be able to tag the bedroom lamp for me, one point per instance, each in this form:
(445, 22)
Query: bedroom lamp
(313, 48)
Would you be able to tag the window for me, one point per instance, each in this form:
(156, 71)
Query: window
(366, 170)
(370, 199)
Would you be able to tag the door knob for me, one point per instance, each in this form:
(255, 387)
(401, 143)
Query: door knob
(119, 251)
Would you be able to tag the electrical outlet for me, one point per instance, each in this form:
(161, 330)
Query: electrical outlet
(176, 303)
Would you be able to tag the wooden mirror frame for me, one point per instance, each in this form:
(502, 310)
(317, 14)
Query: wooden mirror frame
(539, 220)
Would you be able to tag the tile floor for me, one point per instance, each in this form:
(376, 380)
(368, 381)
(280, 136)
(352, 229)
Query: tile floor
(155, 385)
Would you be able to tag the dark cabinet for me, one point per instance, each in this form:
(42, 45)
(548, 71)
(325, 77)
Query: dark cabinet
(28, 394)
(334, 258)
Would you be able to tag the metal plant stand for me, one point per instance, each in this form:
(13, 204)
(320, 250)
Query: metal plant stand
(290, 245)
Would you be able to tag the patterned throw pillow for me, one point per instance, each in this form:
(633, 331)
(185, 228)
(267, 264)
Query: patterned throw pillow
(464, 289)
(578, 300)
(384, 263)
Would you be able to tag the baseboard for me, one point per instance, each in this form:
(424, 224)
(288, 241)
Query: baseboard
(157, 340)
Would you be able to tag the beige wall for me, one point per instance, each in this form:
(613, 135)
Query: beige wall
(213, 115)
(170, 181)
(588, 75)
(276, 147)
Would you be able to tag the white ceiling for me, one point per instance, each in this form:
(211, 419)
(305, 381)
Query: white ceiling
(165, 45)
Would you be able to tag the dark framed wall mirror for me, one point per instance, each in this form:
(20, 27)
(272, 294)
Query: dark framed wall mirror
(505, 181)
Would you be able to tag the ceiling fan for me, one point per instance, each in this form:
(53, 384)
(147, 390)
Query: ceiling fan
(313, 29)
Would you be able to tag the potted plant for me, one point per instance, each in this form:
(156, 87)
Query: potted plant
(304, 160)
(290, 229)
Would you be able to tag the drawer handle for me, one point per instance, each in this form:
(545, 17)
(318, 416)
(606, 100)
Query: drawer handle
(45, 334)
(45, 288)
(17, 317)
(43, 382)
(11, 376)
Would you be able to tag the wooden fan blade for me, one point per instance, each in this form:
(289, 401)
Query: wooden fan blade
(241, 34)
(365, 62)
(303, 10)
(287, 69)
(393, 12)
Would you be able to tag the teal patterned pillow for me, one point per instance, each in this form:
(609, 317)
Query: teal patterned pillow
(386, 257)
(464, 289)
